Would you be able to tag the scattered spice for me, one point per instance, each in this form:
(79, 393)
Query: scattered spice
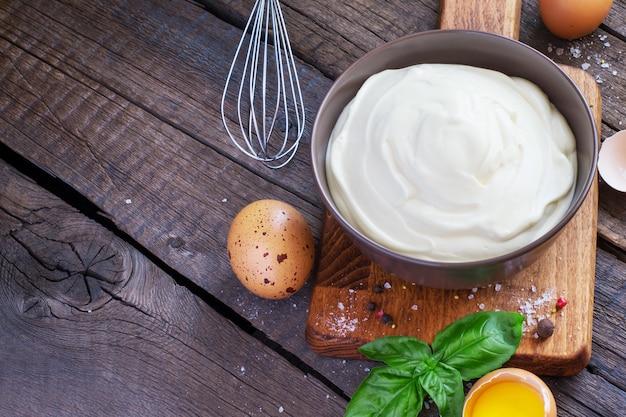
(533, 308)
(545, 328)
(371, 306)
(386, 319)
(378, 288)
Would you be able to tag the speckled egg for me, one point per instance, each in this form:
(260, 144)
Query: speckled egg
(271, 248)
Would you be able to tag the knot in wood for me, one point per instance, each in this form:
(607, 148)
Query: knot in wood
(176, 242)
(83, 266)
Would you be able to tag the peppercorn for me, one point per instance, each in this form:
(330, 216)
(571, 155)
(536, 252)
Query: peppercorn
(378, 288)
(545, 328)
(386, 319)
(561, 302)
(371, 306)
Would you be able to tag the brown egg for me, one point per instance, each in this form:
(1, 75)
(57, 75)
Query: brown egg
(571, 19)
(271, 248)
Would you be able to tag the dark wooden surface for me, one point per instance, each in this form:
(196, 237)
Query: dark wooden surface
(118, 185)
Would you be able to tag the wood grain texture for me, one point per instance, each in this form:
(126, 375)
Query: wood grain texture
(494, 16)
(90, 326)
(86, 119)
(159, 66)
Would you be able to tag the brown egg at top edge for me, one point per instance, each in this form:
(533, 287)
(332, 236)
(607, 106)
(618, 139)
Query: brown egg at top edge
(271, 249)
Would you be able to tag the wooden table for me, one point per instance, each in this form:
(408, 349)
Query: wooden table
(118, 185)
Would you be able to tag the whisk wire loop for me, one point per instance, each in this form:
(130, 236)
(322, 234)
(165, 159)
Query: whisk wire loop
(269, 80)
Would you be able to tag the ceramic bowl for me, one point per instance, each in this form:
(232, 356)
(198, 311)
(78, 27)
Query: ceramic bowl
(478, 49)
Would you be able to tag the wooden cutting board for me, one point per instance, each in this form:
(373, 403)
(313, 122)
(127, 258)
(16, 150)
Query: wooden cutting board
(345, 282)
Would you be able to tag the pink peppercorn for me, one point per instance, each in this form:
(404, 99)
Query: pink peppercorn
(561, 302)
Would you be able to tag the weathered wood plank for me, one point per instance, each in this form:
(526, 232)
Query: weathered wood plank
(154, 181)
(172, 312)
(169, 59)
(129, 162)
(609, 357)
(616, 19)
(332, 35)
(90, 326)
(612, 216)
(318, 32)
(600, 54)
(143, 68)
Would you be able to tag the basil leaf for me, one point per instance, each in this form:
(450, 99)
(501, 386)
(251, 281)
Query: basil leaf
(479, 343)
(445, 386)
(401, 352)
(386, 392)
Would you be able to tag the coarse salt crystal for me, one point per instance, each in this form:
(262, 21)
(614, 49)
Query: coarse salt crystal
(585, 66)
(342, 325)
(340, 305)
(414, 307)
(498, 287)
(387, 285)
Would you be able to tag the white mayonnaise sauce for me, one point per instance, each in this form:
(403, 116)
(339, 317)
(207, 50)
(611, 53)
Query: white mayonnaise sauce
(450, 162)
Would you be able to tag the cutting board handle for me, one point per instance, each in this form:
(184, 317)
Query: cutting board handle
(495, 16)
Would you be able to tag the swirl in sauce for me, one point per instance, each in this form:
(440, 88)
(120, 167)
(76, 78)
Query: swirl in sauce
(450, 162)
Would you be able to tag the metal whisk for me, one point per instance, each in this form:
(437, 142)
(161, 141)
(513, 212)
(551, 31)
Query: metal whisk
(268, 119)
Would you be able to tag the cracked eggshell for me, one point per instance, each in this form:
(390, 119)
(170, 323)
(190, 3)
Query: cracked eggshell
(515, 379)
(612, 161)
(271, 248)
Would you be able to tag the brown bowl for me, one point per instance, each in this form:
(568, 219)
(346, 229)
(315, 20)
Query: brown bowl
(479, 49)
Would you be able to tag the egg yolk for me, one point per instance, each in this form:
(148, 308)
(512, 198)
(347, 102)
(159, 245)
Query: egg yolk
(508, 399)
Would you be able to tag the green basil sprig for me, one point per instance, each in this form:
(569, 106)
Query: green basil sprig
(466, 349)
